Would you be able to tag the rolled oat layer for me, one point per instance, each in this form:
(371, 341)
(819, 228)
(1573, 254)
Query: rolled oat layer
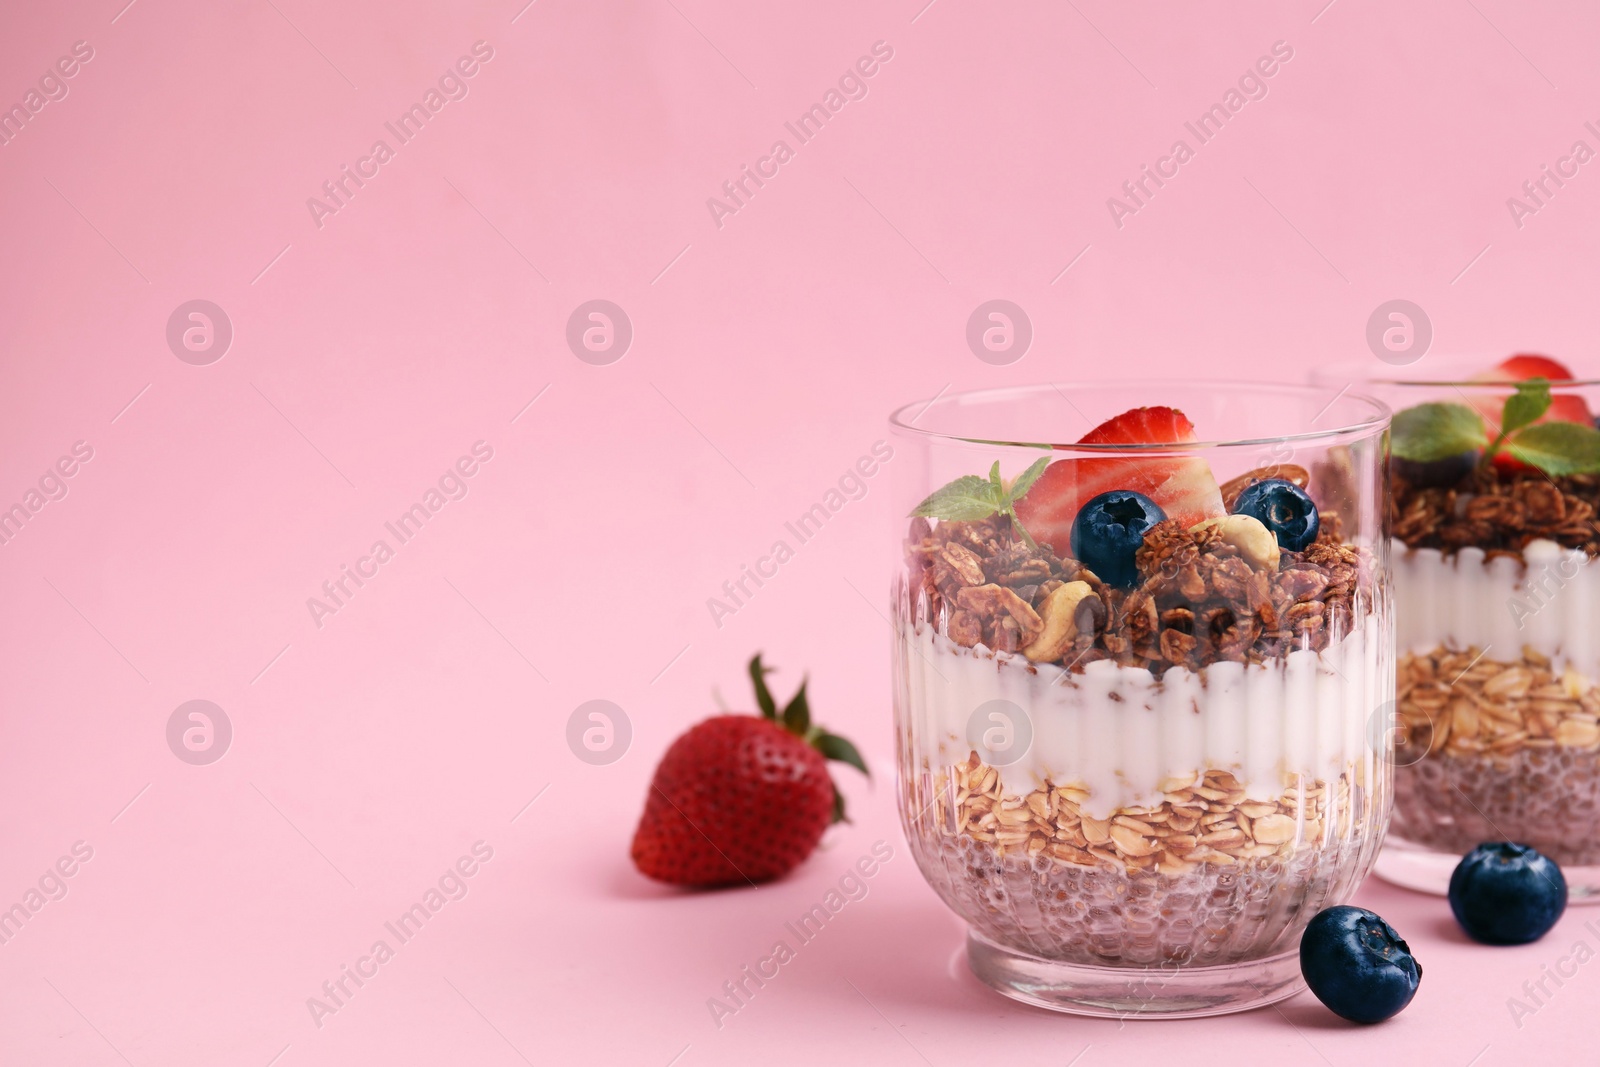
(1205, 876)
(1493, 750)
(1201, 819)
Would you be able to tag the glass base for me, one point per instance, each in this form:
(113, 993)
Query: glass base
(1413, 866)
(1175, 992)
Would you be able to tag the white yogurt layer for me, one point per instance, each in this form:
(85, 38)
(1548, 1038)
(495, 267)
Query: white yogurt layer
(1120, 732)
(1552, 604)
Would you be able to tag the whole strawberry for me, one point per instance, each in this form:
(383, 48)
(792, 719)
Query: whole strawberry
(742, 799)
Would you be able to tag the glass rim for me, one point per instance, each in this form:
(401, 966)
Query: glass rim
(1556, 385)
(902, 419)
(1358, 372)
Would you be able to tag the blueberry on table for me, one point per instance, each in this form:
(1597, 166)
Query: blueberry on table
(1357, 965)
(1109, 529)
(1284, 508)
(1438, 473)
(1506, 894)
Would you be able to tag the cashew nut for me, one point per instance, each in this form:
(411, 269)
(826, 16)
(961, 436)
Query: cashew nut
(1059, 610)
(1257, 544)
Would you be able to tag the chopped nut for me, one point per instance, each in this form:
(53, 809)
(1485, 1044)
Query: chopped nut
(989, 600)
(1060, 613)
(965, 563)
(1257, 544)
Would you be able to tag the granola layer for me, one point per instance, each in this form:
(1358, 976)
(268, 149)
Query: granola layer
(1198, 601)
(1499, 512)
(1498, 750)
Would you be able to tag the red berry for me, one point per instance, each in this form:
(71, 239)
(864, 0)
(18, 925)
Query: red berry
(736, 798)
(1183, 486)
(741, 798)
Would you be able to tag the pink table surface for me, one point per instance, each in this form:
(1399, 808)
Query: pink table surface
(372, 346)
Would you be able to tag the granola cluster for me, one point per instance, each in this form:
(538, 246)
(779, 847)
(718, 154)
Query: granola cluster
(1200, 599)
(1500, 512)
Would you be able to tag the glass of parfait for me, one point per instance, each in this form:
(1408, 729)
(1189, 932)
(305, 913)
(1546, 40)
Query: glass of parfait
(1496, 522)
(1142, 635)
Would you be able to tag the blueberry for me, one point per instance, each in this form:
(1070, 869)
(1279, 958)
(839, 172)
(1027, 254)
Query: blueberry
(1357, 965)
(1284, 508)
(1438, 473)
(1505, 894)
(1109, 529)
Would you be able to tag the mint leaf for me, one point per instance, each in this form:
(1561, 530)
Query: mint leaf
(970, 498)
(832, 746)
(967, 499)
(797, 716)
(838, 806)
(1526, 406)
(758, 675)
(1025, 480)
(1428, 432)
(1558, 448)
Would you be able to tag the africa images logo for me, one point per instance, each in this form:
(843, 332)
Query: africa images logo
(1252, 85)
(452, 85)
(452, 485)
(453, 885)
(52, 88)
(852, 85)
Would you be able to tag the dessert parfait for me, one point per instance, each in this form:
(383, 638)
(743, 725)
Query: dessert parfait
(1135, 700)
(1496, 498)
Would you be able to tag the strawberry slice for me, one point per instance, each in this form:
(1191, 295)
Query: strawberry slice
(1182, 486)
(1567, 407)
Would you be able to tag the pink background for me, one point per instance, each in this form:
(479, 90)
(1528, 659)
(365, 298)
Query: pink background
(368, 354)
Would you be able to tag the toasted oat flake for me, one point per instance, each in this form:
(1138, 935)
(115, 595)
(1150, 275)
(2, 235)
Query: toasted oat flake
(1511, 751)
